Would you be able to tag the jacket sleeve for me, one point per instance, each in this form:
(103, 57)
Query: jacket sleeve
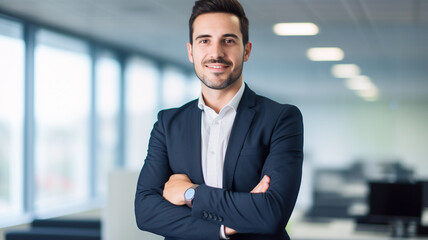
(263, 213)
(155, 214)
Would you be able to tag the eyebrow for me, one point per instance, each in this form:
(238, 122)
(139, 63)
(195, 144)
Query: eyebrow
(232, 35)
(203, 36)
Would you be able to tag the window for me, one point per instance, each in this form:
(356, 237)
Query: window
(107, 104)
(62, 117)
(11, 118)
(69, 113)
(175, 88)
(194, 87)
(141, 91)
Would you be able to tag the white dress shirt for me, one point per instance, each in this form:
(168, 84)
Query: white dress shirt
(215, 133)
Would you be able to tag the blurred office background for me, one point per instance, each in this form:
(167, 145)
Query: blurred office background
(81, 83)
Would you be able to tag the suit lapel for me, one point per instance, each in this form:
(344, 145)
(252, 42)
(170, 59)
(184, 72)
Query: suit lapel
(195, 144)
(242, 123)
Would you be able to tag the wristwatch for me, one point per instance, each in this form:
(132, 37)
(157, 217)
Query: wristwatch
(189, 194)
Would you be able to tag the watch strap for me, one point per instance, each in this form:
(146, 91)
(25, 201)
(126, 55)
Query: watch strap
(189, 202)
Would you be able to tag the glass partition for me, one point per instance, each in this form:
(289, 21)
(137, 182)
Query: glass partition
(107, 116)
(11, 118)
(62, 113)
(141, 97)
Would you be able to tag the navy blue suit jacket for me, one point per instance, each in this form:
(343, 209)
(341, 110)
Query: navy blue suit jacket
(266, 138)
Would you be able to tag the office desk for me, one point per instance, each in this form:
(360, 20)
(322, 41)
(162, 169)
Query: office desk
(335, 230)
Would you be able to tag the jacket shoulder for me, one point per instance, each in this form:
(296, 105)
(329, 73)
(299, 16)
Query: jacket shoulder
(171, 113)
(274, 106)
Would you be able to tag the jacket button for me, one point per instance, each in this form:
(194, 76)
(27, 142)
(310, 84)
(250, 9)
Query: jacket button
(220, 219)
(204, 214)
(210, 216)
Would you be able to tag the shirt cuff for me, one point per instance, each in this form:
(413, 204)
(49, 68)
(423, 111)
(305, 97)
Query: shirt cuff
(223, 233)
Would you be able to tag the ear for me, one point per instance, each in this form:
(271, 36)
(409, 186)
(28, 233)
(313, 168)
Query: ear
(247, 50)
(189, 52)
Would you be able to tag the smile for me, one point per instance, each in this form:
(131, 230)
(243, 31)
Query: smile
(217, 66)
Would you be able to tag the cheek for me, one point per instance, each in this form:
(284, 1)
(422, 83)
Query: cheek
(238, 56)
(197, 58)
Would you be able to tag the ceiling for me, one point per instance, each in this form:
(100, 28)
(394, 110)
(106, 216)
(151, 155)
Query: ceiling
(388, 39)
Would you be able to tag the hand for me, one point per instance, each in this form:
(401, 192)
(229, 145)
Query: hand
(262, 187)
(174, 189)
(229, 231)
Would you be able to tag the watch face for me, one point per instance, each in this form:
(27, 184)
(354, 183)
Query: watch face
(189, 194)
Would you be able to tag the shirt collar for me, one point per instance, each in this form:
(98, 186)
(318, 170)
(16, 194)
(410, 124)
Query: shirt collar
(234, 102)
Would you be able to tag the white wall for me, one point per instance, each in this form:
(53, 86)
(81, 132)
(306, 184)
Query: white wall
(337, 133)
(119, 219)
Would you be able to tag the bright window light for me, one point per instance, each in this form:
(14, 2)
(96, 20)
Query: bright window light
(62, 97)
(107, 88)
(174, 87)
(325, 54)
(296, 29)
(12, 48)
(142, 78)
(141, 86)
(345, 70)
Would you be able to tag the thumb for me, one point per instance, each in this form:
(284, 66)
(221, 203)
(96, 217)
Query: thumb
(266, 179)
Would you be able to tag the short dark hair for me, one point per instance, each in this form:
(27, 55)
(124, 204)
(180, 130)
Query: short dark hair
(225, 6)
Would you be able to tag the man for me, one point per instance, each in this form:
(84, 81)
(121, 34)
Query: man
(227, 165)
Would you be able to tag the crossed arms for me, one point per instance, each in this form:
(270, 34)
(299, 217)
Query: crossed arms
(178, 183)
(265, 210)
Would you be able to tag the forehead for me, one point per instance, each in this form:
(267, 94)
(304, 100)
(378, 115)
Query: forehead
(216, 24)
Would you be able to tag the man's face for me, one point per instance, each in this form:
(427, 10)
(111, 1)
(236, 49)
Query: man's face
(217, 52)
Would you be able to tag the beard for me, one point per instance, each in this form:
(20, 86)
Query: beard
(230, 79)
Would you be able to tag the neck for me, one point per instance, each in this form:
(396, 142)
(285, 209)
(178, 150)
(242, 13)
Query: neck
(216, 99)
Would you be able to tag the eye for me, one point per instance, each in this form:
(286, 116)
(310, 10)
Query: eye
(203, 41)
(229, 41)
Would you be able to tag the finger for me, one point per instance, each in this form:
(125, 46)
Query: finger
(258, 188)
(263, 185)
(266, 179)
(261, 188)
(255, 189)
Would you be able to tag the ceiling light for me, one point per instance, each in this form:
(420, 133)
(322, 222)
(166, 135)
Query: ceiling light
(370, 94)
(345, 70)
(325, 54)
(363, 87)
(359, 83)
(295, 29)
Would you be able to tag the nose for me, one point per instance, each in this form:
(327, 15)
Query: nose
(217, 50)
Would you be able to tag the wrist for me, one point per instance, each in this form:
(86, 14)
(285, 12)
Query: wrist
(189, 195)
(223, 234)
(229, 231)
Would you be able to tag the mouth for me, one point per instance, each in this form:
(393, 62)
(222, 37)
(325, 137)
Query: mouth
(217, 67)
